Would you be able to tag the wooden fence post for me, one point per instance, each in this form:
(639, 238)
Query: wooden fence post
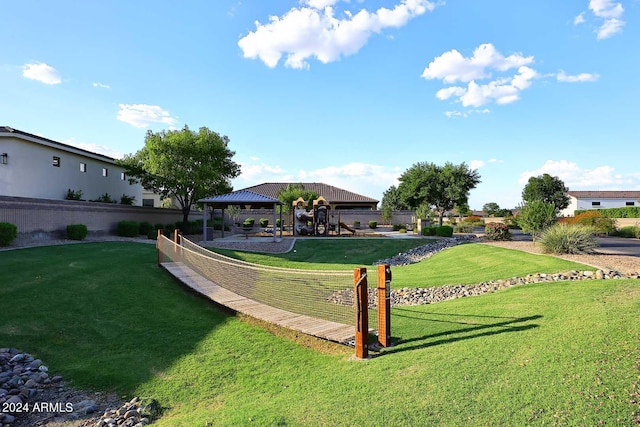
(362, 312)
(384, 305)
(160, 257)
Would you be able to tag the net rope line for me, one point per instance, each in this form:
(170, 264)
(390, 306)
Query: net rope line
(305, 292)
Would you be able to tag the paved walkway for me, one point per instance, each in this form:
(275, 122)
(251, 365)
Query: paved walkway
(308, 325)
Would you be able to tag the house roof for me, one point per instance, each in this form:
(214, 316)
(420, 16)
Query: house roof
(605, 194)
(333, 195)
(241, 197)
(6, 131)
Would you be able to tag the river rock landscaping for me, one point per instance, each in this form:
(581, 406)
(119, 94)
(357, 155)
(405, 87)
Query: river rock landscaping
(30, 396)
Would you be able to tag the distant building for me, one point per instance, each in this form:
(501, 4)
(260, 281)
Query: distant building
(584, 200)
(37, 167)
(337, 197)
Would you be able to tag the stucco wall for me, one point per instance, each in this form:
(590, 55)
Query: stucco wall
(587, 203)
(29, 172)
(53, 216)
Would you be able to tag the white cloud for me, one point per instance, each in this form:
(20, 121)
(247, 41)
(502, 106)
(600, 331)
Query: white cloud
(606, 9)
(451, 66)
(41, 72)
(319, 4)
(575, 177)
(476, 164)
(582, 77)
(95, 148)
(609, 28)
(467, 113)
(101, 85)
(315, 32)
(362, 178)
(143, 115)
(608, 15)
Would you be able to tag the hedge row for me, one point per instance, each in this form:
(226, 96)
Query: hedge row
(626, 212)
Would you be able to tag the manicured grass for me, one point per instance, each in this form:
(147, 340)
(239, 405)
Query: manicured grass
(331, 254)
(107, 318)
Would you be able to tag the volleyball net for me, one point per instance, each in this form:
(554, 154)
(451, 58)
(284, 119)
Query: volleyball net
(307, 292)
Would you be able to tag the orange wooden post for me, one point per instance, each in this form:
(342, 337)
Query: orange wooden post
(384, 305)
(176, 233)
(160, 257)
(362, 312)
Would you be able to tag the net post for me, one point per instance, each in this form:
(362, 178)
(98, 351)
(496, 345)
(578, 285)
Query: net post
(384, 305)
(176, 236)
(160, 257)
(362, 312)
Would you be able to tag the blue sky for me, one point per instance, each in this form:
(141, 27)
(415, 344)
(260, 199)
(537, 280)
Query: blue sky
(350, 93)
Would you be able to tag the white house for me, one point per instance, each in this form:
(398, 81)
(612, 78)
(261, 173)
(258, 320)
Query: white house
(583, 200)
(37, 167)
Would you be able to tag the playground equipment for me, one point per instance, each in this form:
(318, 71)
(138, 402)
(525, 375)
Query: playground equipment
(314, 222)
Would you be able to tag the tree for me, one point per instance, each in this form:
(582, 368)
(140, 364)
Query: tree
(490, 208)
(392, 200)
(292, 192)
(536, 216)
(547, 188)
(442, 187)
(185, 164)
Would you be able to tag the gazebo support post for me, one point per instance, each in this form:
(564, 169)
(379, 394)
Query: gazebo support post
(204, 225)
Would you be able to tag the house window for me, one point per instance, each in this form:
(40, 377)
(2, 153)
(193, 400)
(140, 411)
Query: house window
(595, 203)
(123, 176)
(83, 167)
(630, 204)
(56, 161)
(105, 172)
(147, 202)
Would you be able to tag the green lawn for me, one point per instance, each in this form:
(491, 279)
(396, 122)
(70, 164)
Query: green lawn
(105, 316)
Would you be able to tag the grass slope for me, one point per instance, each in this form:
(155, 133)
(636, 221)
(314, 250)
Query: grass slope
(106, 317)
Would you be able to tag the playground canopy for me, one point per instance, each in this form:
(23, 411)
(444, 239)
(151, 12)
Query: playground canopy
(242, 198)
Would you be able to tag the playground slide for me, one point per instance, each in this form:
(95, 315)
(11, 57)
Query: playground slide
(346, 227)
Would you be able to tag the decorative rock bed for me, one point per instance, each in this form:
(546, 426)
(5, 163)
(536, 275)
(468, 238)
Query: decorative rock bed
(418, 296)
(23, 381)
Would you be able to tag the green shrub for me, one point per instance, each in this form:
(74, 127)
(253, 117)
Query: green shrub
(76, 231)
(264, 222)
(625, 212)
(564, 238)
(464, 227)
(127, 200)
(279, 222)
(402, 230)
(8, 233)
(73, 195)
(398, 227)
(630, 231)
(248, 222)
(152, 234)
(105, 198)
(168, 230)
(145, 228)
(429, 231)
(600, 223)
(356, 224)
(373, 224)
(497, 231)
(129, 228)
(444, 231)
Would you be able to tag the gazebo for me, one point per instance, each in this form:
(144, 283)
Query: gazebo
(242, 198)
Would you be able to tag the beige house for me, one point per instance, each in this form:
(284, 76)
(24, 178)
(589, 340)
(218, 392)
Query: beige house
(584, 200)
(37, 167)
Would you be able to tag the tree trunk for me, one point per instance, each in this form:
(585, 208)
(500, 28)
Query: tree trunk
(185, 220)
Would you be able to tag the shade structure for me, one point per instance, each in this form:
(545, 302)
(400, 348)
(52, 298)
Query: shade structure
(242, 198)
